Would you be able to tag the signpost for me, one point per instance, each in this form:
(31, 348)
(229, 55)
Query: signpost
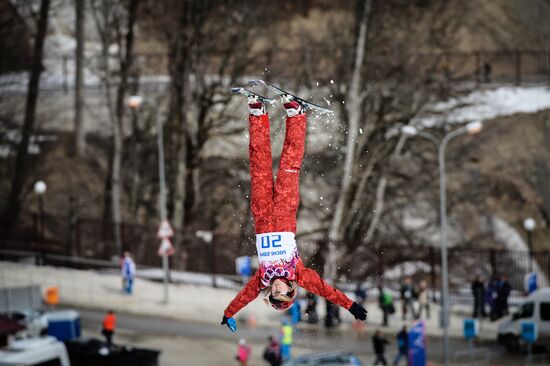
(417, 344)
(166, 249)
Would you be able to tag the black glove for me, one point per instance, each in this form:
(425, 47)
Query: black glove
(358, 311)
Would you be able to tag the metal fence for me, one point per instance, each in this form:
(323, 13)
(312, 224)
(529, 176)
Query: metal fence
(92, 242)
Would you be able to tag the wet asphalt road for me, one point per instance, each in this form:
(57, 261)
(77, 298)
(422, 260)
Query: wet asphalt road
(313, 338)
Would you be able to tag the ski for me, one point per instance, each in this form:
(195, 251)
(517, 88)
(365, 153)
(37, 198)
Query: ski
(247, 93)
(283, 93)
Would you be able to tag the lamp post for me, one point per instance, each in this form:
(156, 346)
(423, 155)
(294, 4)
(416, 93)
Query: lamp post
(40, 188)
(471, 128)
(529, 225)
(135, 102)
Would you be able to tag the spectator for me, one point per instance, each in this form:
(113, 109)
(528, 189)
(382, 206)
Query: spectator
(109, 325)
(243, 352)
(379, 345)
(311, 308)
(360, 295)
(478, 291)
(385, 301)
(486, 72)
(360, 298)
(491, 296)
(423, 299)
(286, 340)
(402, 346)
(272, 353)
(407, 297)
(295, 313)
(128, 272)
(502, 296)
(331, 317)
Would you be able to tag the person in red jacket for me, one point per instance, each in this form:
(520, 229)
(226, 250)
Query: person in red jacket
(274, 207)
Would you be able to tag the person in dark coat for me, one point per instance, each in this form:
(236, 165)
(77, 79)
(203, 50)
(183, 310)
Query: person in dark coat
(502, 296)
(402, 346)
(272, 353)
(407, 297)
(478, 291)
(311, 308)
(491, 295)
(379, 346)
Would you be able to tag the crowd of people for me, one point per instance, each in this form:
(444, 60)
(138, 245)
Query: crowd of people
(493, 295)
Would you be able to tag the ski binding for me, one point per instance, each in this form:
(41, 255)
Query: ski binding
(284, 93)
(249, 94)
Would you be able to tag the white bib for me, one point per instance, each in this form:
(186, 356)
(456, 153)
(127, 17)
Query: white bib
(276, 247)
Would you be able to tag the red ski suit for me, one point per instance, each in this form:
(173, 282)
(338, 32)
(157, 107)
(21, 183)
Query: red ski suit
(274, 207)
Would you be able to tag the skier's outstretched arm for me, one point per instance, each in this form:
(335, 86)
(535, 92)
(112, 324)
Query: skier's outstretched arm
(247, 294)
(312, 282)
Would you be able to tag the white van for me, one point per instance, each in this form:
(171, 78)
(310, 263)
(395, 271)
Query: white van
(535, 308)
(35, 352)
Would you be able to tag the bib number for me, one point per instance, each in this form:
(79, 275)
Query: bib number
(271, 241)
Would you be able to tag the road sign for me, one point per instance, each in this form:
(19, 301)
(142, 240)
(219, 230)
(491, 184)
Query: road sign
(531, 282)
(165, 230)
(166, 247)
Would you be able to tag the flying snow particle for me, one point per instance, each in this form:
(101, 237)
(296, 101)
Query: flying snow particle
(331, 81)
(317, 83)
(360, 130)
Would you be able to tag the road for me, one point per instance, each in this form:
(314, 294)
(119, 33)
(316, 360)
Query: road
(201, 343)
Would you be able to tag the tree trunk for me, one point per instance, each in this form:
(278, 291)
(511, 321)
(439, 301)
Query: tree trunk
(21, 160)
(353, 107)
(118, 132)
(79, 143)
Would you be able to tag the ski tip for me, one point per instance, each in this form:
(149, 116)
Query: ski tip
(255, 82)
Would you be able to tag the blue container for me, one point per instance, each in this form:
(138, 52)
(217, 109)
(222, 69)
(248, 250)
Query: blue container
(64, 325)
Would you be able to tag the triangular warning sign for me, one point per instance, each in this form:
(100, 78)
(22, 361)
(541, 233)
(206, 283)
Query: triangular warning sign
(165, 230)
(166, 248)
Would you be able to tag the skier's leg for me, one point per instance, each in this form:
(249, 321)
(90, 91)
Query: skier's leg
(261, 170)
(287, 185)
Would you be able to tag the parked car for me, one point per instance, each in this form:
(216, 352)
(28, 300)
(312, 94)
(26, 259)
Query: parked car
(326, 359)
(35, 351)
(535, 308)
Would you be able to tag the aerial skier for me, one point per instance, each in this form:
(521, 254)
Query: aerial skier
(274, 208)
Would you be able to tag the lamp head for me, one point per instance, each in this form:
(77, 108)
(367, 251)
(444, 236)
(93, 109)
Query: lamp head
(474, 127)
(529, 224)
(409, 131)
(40, 187)
(134, 101)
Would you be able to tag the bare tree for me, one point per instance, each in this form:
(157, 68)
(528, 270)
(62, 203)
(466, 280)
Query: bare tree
(21, 161)
(80, 141)
(109, 18)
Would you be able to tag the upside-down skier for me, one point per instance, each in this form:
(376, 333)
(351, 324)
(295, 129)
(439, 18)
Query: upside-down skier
(274, 208)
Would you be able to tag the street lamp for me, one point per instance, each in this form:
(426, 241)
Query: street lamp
(135, 102)
(471, 128)
(40, 188)
(529, 225)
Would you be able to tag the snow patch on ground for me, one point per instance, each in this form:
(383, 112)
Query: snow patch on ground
(486, 104)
